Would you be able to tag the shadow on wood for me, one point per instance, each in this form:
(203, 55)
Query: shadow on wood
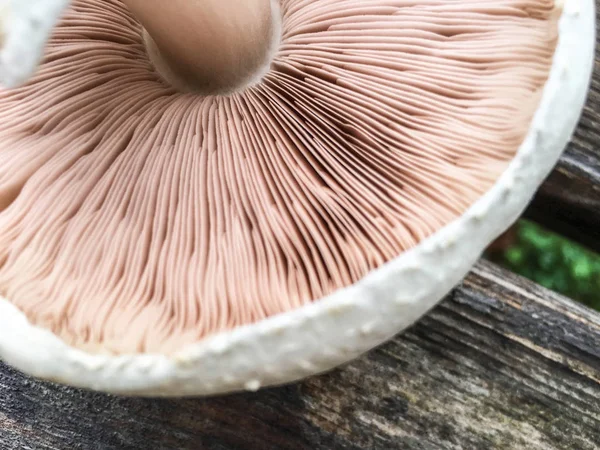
(569, 201)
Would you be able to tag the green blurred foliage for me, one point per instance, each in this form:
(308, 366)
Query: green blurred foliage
(556, 263)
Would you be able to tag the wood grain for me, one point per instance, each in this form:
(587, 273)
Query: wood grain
(502, 363)
(569, 201)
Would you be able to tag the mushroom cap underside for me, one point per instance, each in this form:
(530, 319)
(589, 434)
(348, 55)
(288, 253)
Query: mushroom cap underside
(136, 219)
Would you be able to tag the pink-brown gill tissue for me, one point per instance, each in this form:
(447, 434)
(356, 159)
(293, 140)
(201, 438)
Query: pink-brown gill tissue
(137, 218)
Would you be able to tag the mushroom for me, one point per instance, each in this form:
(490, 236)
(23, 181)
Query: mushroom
(204, 197)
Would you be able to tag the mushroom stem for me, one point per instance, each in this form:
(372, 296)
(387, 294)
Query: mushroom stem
(206, 45)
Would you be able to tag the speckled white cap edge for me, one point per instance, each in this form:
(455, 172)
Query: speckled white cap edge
(25, 26)
(353, 320)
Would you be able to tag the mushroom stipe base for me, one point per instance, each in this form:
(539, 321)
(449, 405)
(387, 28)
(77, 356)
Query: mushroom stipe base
(340, 327)
(254, 77)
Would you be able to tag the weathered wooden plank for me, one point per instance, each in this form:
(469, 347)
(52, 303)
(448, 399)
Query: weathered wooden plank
(569, 201)
(502, 363)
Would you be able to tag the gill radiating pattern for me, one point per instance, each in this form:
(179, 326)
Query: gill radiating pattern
(134, 218)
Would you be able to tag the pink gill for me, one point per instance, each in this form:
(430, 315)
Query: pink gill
(138, 219)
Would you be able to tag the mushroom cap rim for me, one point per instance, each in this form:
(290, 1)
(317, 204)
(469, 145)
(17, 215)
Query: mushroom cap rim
(353, 320)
